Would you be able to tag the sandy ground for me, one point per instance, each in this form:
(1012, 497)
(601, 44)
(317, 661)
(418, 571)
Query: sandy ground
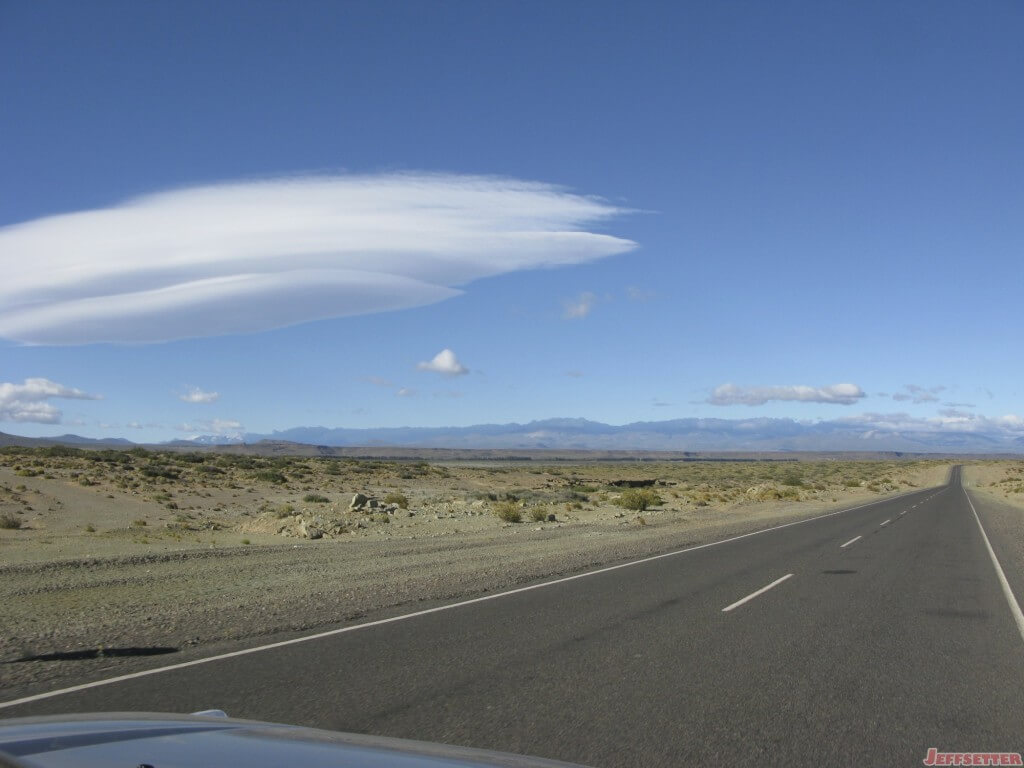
(998, 490)
(197, 561)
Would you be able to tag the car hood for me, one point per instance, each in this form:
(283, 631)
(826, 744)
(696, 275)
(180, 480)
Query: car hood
(187, 741)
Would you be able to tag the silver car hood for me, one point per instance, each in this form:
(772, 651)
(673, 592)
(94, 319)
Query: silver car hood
(188, 741)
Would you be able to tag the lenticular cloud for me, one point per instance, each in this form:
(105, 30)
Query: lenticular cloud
(247, 257)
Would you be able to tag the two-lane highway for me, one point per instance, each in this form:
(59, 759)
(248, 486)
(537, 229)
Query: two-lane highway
(858, 638)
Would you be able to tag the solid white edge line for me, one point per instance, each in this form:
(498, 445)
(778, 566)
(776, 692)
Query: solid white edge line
(885, 523)
(843, 546)
(752, 595)
(436, 609)
(1018, 615)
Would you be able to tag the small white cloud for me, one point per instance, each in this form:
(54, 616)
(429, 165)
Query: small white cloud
(29, 401)
(574, 374)
(379, 381)
(578, 308)
(954, 413)
(196, 395)
(445, 363)
(221, 427)
(250, 256)
(918, 394)
(406, 392)
(634, 293)
(839, 394)
(950, 420)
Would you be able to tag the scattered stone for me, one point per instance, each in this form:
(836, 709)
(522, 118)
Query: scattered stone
(358, 501)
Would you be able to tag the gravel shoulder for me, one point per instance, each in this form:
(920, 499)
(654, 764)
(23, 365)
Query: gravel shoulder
(1000, 505)
(203, 601)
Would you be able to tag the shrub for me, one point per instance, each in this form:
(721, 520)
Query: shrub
(155, 470)
(140, 523)
(538, 514)
(90, 528)
(397, 498)
(55, 451)
(509, 512)
(270, 476)
(245, 541)
(10, 522)
(638, 499)
(284, 511)
(315, 498)
(109, 456)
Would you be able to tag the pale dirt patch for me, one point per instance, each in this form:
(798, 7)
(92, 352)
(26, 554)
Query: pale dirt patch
(1001, 481)
(998, 491)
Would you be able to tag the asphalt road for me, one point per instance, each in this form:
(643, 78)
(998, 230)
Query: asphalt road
(886, 632)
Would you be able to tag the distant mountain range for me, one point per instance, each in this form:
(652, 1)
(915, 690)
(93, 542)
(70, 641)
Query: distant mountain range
(758, 434)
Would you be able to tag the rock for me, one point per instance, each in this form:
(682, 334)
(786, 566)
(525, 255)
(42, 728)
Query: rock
(552, 518)
(358, 501)
(310, 531)
(374, 504)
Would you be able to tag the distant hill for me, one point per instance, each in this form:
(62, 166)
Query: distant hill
(77, 440)
(757, 435)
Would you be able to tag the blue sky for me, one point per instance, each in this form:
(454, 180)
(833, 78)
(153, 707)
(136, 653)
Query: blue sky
(769, 195)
